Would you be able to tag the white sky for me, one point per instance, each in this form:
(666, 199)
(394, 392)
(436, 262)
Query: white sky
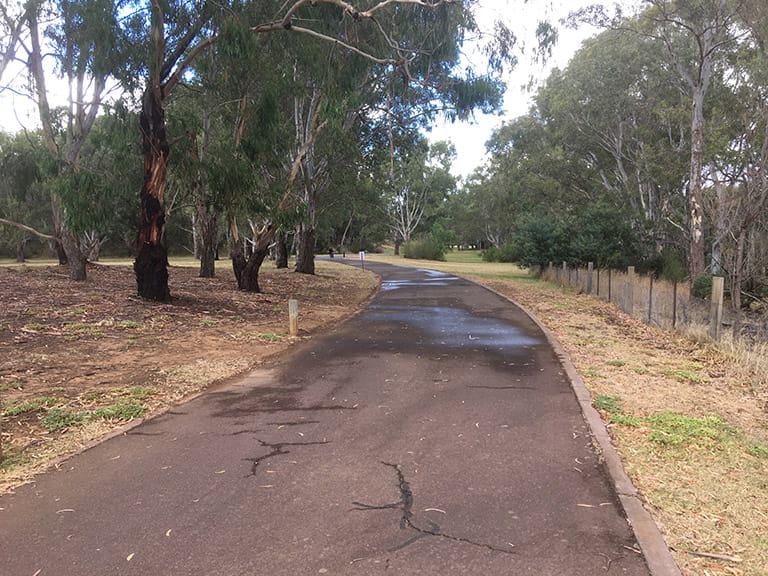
(521, 17)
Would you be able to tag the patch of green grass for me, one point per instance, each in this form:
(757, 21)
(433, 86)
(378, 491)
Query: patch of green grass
(38, 312)
(36, 327)
(608, 403)
(16, 385)
(593, 372)
(12, 460)
(128, 324)
(617, 363)
(757, 449)
(670, 429)
(119, 412)
(77, 311)
(31, 405)
(685, 376)
(60, 419)
(612, 405)
(141, 392)
(271, 337)
(79, 330)
(208, 322)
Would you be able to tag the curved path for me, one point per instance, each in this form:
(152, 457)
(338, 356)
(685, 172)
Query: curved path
(434, 433)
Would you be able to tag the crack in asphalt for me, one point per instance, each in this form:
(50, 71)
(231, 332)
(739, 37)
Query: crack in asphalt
(277, 450)
(406, 520)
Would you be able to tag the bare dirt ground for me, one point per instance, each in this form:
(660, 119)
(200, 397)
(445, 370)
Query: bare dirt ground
(79, 359)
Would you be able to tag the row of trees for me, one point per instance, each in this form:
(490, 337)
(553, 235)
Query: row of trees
(650, 146)
(254, 120)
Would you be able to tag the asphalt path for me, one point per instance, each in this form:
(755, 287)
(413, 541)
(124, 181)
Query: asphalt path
(434, 433)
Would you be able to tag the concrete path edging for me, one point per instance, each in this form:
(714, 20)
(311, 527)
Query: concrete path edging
(654, 547)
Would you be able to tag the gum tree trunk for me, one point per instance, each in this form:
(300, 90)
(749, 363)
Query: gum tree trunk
(281, 251)
(151, 265)
(305, 248)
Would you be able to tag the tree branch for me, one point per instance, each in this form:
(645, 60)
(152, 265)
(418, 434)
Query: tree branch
(26, 229)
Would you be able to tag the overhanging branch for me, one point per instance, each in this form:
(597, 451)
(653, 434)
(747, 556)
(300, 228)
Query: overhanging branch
(26, 229)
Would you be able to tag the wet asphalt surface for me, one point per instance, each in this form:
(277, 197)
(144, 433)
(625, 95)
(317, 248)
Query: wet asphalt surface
(435, 433)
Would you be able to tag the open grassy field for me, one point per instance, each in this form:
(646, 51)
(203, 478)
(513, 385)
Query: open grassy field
(690, 419)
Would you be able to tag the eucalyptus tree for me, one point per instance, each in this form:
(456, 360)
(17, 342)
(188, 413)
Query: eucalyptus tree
(696, 35)
(178, 33)
(615, 106)
(419, 183)
(23, 197)
(84, 37)
(11, 30)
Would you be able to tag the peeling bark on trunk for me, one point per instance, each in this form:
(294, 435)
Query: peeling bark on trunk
(151, 265)
(305, 251)
(696, 261)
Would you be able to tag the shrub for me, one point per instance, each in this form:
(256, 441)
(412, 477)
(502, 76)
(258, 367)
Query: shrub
(429, 249)
(504, 253)
(702, 286)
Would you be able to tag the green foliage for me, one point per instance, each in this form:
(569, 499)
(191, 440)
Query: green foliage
(126, 411)
(60, 419)
(702, 287)
(504, 253)
(428, 249)
(613, 407)
(31, 405)
(671, 429)
(540, 241)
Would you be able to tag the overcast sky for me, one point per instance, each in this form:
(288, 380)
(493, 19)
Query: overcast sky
(522, 17)
(469, 138)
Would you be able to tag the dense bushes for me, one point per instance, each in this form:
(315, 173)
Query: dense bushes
(599, 235)
(429, 249)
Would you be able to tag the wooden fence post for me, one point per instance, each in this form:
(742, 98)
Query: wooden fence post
(590, 270)
(650, 299)
(293, 317)
(716, 307)
(674, 304)
(609, 285)
(566, 275)
(630, 290)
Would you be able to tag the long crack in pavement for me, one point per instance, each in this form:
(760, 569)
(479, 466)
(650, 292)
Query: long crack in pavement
(406, 520)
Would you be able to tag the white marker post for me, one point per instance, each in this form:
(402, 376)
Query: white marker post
(362, 258)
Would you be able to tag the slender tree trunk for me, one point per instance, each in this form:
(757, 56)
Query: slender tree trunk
(209, 234)
(305, 252)
(281, 250)
(20, 247)
(696, 262)
(737, 279)
(151, 265)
